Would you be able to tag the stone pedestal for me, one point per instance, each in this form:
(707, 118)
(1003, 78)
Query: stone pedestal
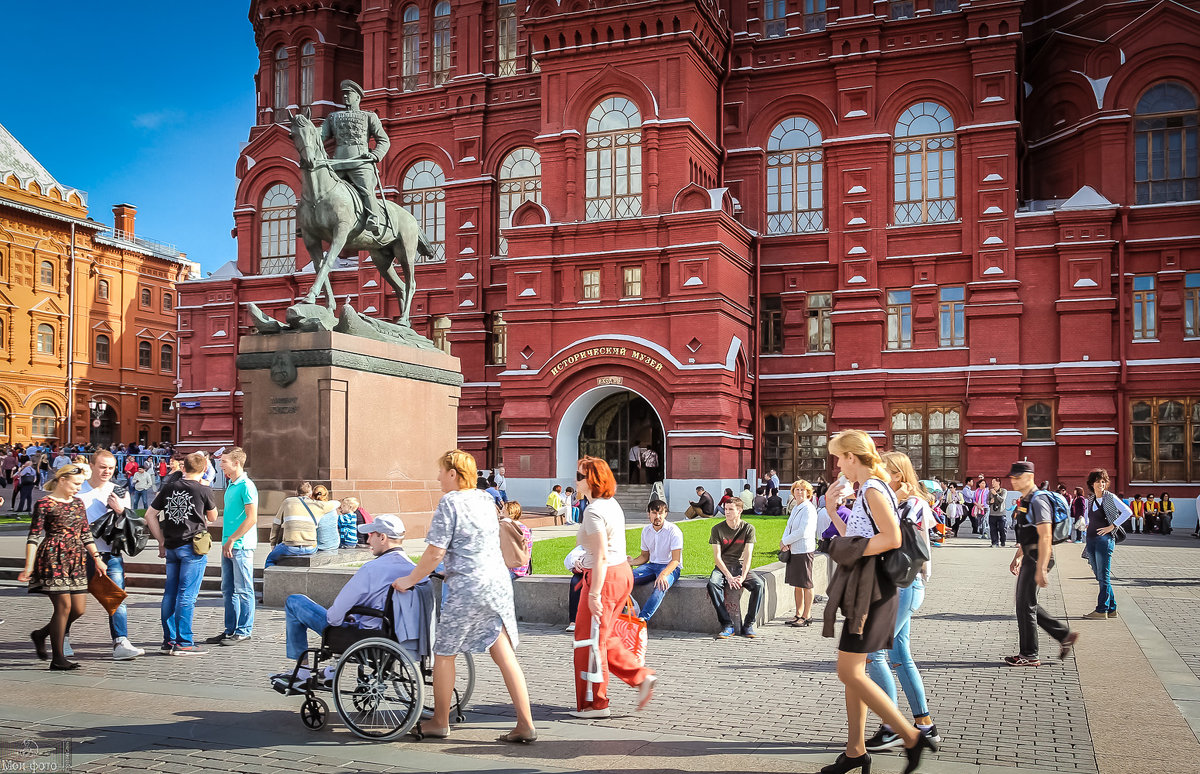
(365, 418)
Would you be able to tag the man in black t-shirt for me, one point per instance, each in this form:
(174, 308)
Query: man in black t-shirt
(1034, 520)
(733, 548)
(702, 506)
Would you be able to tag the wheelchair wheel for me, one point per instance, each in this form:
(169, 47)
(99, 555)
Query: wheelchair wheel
(377, 689)
(464, 686)
(313, 713)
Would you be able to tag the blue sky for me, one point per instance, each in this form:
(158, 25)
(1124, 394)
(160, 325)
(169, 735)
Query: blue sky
(141, 102)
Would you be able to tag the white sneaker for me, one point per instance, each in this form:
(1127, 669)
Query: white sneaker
(646, 691)
(571, 626)
(591, 714)
(123, 650)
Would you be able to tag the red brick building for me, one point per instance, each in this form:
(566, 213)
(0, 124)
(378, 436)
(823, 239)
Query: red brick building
(729, 229)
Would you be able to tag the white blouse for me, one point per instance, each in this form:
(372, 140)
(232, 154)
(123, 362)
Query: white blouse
(859, 524)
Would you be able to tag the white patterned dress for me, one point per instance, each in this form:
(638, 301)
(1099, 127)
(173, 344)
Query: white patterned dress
(479, 595)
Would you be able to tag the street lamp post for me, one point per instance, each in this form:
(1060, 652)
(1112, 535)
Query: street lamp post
(98, 409)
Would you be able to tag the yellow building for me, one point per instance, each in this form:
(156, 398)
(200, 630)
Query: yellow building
(87, 315)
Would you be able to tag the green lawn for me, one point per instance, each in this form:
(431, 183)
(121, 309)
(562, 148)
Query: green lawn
(548, 555)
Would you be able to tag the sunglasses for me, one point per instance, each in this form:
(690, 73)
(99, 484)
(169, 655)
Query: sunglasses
(73, 470)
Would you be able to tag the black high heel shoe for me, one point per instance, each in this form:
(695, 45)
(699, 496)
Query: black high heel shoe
(914, 753)
(845, 763)
(39, 644)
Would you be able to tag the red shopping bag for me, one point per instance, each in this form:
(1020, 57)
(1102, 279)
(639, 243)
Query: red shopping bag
(631, 631)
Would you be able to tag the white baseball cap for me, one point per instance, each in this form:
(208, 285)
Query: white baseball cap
(388, 524)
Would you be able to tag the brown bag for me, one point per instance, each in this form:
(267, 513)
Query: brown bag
(107, 592)
(512, 545)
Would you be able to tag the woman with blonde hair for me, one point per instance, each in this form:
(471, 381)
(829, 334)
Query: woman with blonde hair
(329, 535)
(914, 506)
(872, 529)
(477, 613)
(800, 541)
(56, 559)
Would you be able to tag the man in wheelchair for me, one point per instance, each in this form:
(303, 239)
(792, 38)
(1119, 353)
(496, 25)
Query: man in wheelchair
(367, 588)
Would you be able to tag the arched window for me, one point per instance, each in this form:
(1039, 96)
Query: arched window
(923, 165)
(166, 358)
(410, 59)
(145, 356)
(102, 289)
(931, 436)
(278, 243)
(794, 443)
(45, 421)
(423, 196)
(168, 302)
(614, 160)
(45, 339)
(102, 347)
(147, 299)
(144, 404)
(281, 85)
(1164, 139)
(795, 178)
(164, 435)
(1039, 422)
(3, 420)
(506, 38)
(520, 180)
(441, 43)
(47, 273)
(308, 60)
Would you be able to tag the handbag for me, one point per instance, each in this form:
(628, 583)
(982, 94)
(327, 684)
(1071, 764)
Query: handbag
(785, 555)
(631, 631)
(903, 564)
(202, 543)
(107, 592)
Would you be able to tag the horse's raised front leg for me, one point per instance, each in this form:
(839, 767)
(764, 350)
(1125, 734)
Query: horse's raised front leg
(317, 253)
(336, 243)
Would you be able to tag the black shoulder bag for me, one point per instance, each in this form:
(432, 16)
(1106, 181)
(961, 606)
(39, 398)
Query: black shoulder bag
(902, 564)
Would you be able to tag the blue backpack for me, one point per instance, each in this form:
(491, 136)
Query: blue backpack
(1061, 532)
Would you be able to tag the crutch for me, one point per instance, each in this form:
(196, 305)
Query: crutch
(593, 673)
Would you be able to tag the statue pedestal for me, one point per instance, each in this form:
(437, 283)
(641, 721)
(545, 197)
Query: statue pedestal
(366, 418)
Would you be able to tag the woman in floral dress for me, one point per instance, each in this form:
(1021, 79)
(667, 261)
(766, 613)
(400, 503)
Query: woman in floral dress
(477, 614)
(56, 558)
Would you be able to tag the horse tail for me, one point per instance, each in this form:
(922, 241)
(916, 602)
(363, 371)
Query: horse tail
(423, 246)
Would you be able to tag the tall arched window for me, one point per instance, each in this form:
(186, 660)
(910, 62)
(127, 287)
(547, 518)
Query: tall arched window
(308, 66)
(102, 349)
(278, 244)
(167, 358)
(506, 38)
(441, 43)
(145, 354)
(45, 339)
(520, 179)
(168, 302)
(795, 178)
(1164, 139)
(147, 298)
(3, 420)
(410, 59)
(614, 160)
(423, 196)
(47, 273)
(45, 421)
(923, 165)
(281, 84)
(102, 289)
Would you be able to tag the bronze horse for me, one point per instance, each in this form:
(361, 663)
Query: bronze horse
(331, 211)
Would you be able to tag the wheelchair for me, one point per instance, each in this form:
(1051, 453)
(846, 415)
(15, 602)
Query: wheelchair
(380, 686)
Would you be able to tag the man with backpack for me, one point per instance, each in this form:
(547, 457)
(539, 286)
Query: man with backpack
(1038, 518)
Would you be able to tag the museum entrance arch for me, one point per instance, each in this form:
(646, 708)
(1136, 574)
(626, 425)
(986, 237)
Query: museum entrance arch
(605, 422)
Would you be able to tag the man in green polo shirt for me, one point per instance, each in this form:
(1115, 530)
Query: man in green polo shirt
(239, 538)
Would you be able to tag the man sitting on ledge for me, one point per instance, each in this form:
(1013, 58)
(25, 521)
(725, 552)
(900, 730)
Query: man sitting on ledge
(733, 548)
(703, 506)
(368, 587)
(661, 559)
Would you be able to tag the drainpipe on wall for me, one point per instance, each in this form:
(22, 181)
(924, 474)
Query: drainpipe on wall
(1123, 440)
(755, 325)
(71, 341)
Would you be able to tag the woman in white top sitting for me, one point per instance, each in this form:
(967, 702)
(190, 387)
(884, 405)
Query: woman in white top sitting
(800, 539)
(607, 583)
(874, 518)
(914, 507)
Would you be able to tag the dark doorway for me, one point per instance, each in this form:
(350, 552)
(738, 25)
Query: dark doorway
(105, 434)
(614, 425)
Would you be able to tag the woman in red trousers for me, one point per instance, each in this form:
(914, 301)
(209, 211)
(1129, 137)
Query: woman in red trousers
(607, 582)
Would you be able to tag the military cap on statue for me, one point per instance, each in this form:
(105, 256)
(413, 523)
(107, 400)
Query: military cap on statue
(352, 86)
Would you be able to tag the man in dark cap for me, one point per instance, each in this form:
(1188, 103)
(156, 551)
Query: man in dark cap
(355, 161)
(1034, 520)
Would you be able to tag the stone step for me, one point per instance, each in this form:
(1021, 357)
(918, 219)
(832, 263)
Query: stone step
(142, 575)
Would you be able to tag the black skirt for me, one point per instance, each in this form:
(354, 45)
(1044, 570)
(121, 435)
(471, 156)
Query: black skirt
(880, 627)
(799, 571)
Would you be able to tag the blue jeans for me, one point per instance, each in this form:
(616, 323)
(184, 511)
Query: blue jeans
(647, 573)
(185, 571)
(900, 656)
(283, 549)
(118, 625)
(237, 587)
(1099, 550)
(140, 499)
(300, 615)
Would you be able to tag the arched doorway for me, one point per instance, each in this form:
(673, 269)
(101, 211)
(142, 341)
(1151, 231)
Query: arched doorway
(105, 433)
(614, 425)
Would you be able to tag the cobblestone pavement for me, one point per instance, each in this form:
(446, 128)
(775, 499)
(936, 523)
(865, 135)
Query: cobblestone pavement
(776, 697)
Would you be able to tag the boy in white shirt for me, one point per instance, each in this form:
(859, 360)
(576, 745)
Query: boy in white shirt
(661, 559)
